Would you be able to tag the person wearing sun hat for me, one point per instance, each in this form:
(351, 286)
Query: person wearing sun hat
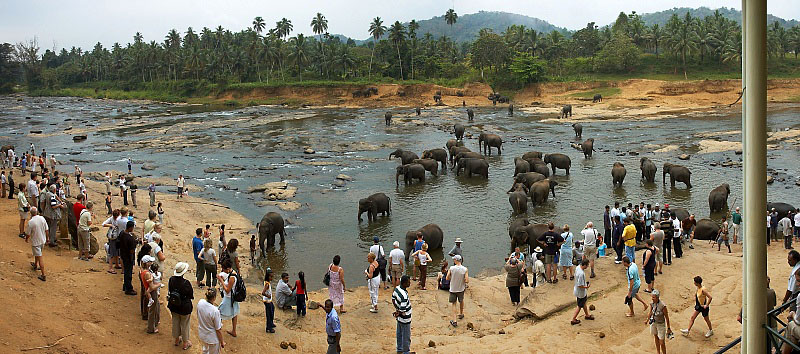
(181, 310)
(456, 249)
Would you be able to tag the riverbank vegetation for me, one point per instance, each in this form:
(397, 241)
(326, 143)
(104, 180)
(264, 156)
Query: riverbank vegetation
(201, 63)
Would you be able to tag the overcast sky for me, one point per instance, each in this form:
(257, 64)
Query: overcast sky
(66, 23)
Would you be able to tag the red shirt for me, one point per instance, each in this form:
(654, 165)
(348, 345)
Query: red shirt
(76, 210)
(299, 287)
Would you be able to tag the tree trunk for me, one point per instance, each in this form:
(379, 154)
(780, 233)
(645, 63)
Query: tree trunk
(400, 60)
(683, 56)
(369, 75)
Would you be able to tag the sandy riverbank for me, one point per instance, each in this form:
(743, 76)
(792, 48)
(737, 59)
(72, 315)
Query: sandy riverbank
(82, 300)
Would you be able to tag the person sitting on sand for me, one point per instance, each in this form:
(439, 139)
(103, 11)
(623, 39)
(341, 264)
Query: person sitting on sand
(285, 298)
(441, 278)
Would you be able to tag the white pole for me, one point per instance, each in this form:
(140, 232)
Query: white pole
(755, 172)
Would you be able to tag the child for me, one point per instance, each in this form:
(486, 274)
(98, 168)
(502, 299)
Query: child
(300, 290)
(157, 285)
(253, 249)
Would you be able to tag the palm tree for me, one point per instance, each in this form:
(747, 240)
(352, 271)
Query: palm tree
(451, 17)
(283, 28)
(319, 24)
(376, 29)
(413, 26)
(397, 33)
(683, 37)
(258, 24)
(298, 53)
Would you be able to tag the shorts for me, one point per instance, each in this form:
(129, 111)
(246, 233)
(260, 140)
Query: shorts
(37, 250)
(582, 301)
(83, 240)
(793, 332)
(649, 275)
(659, 329)
(549, 258)
(180, 190)
(635, 291)
(23, 215)
(590, 253)
(113, 251)
(704, 310)
(456, 296)
(209, 348)
(396, 270)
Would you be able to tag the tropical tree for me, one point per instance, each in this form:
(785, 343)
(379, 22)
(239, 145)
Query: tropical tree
(451, 17)
(397, 34)
(283, 28)
(319, 24)
(413, 26)
(259, 24)
(683, 37)
(298, 54)
(376, 30)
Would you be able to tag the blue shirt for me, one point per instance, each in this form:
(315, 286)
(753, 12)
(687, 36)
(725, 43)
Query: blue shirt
(633, 275)
(197, 246)
(566, 247)
(418, 245)
(332, 325)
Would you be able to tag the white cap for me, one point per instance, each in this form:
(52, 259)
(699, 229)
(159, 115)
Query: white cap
(148, 259)
(457, 257)
(396, 244)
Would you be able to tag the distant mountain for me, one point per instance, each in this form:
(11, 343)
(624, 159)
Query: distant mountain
(662, 17)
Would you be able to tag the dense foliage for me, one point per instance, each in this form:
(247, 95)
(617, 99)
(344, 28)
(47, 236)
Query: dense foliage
(191, 62)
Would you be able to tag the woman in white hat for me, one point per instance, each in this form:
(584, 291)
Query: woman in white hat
(179, 303)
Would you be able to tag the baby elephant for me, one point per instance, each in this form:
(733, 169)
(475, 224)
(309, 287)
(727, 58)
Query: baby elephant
(388, 118)
(566, 110)
(373, 205)
(597, 98)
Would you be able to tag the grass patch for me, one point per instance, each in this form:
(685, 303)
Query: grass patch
(605, 91)
(795, 99)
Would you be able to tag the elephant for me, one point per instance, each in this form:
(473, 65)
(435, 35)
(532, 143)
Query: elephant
(680, 213)
(373, 205)
(718, 197)
(706, 229)
(437, 154)
(618, 173)
(473, 166)
(538, 165)
(597, 98)
(432, 235)
(522, 232)
(405, 156)
(388, 118)
(521, 166)
(588, 147)
(648, 169)
(409, 172)
(527, 179)
(5, 148)
(418, 110)
(781, 208)
(470, 114)
(271, 224)
(677, 173)
(540, 190)
(437, 98)
(518, 199)
(558, 160)
(455, 150)
(488, 141)
(532, 155)
(458, 130)
(371, 91)
(578, 128)
(511, 109)
(464, 155)
(566, 110)
(453, 142)
(430, 165)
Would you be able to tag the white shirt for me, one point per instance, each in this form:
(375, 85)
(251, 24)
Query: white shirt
(677, 226)
(458, 275)
(397, 255)
(377, 250)
(180, 182)
(33, 189)
(589, 237)
(614, 212)
(208, 322)
(792, 281)
(37, 229)
(3, 179)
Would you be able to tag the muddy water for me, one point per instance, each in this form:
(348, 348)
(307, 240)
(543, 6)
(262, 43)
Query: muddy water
(265, 144)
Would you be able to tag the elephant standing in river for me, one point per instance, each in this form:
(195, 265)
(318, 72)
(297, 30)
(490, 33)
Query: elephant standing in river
(455, 150)
(487, 141)
(558, 160)
(532, 155)
(541, 190)
(470, 114)
(430, 165)
(272, 223)
(522, 232)
(388, 118)
(538, 166)
(567, 109)
(409, 172)
(648, 169)
(521, 166)
(458, 130)
(677, 173)
(718, 198)
(432, 235)
(437, 154)
(406, 157)
(466, 155)
(618, 173)
(527, 179)
(706, 229)
(373, 205)
(587, 147)
(418, 110)
(473, 166)
(518, 199)
(578, 128)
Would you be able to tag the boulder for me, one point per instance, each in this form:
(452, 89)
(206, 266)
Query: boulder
(684, 156)
(338, 183)
(293, 345)
(280, 191)
(287, 206)
(266, 186)
(502, 331)
(770, 179)
(148, 167)
(284, 345)
(309, 151)
(344, 177)
(78, 137)
(313, 305)
(431, 344)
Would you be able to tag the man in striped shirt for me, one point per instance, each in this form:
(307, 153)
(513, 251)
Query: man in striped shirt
(402, 313)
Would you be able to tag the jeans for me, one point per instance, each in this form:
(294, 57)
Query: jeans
(108, 206)
(774, 232)
(667, 259)
(768, 236)
(618, 249)
(797, 231)
(127, 271)
(301, 304)
(125, 197)
(403, 337)
(630, 252)
(269, 308)
(676, 244)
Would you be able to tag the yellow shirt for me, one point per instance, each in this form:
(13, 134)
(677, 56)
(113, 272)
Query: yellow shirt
(629, 235)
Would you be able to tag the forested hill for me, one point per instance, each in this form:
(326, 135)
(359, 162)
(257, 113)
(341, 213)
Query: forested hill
(467, 26)
(662, 17)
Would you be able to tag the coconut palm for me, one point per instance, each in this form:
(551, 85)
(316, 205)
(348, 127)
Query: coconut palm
(319, 24)
(283, 28)
(376, 29)
(397, 34)
(683, 37)
(413, 26)
(451, 17)
(258, 24)
(298, 53)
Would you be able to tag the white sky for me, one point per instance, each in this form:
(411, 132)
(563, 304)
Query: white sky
(64, 23)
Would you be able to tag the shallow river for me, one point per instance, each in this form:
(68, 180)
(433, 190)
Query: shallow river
(268, 143)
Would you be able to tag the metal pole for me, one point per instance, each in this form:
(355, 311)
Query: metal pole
(744, 177)
(755, 172)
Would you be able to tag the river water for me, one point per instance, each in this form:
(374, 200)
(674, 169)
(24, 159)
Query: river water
(265, 144)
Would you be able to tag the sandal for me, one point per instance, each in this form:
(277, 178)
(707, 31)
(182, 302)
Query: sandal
(571, 277)
(111, 271)
(232, 334)
(453, 323)
(589, 317)
(187, 347)
(42, 278)
(628, 315)
(564, 276)
(574, 322)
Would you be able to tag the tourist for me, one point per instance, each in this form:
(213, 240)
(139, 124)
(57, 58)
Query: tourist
(197, 249)
(151, 191)
(380, 257)
(666, 226)
(581, 293)
(337, 286)
(209, 324)
(769, 220)
(23, 207)
(658, 319)
(687, 229)
(181, 309)
(333, 328)
(108, 203)
(629, 240)
(78, 207)
(222, 244)
(113, 236)
(209, 257)
(785, 226)
(565, 257)
(151, 279)
(792, 327)
(285, 298)
(423, 257)
(160, 211)
(3, 182)
(127, 248)
(417, 247)
(702, 300)
(591, 239)
(616, 239)
(144, 260)
(36, 232)
(228, 309)
(156, 248)
(633, 286)
(456, 249)
(539, 271)
(207, 232)
(458, 275)
(372, 274)
(396, 267)
(233, 245)
(84, 233)
(266, 298)
(123, 190)
(441, 278)
(253, 249)
(11, 185)
(676, 236)
(791, 289)
(129, 165)
(649, 266)
(513, 269)
(773, 225)
(134, 188)
(402, 313)
(796, 217)
(657, 236)
(521, 258)
(723, 236)
(552, 241)
(648, 219)
(614, 213)
(149, 224)
(32, 189)
(607, 224)
(300, 292)
(181, 183)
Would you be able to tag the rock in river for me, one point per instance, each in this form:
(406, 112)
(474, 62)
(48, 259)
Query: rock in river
(684, 157)
(148, 167)
(309, 151)
(344, 177)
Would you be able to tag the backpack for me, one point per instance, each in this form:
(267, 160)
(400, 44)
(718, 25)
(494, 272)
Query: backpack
(224, 256)
(174, 299)
(381, 259)
(239, 291)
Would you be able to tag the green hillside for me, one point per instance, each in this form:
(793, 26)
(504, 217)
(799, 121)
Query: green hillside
(662, 17)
